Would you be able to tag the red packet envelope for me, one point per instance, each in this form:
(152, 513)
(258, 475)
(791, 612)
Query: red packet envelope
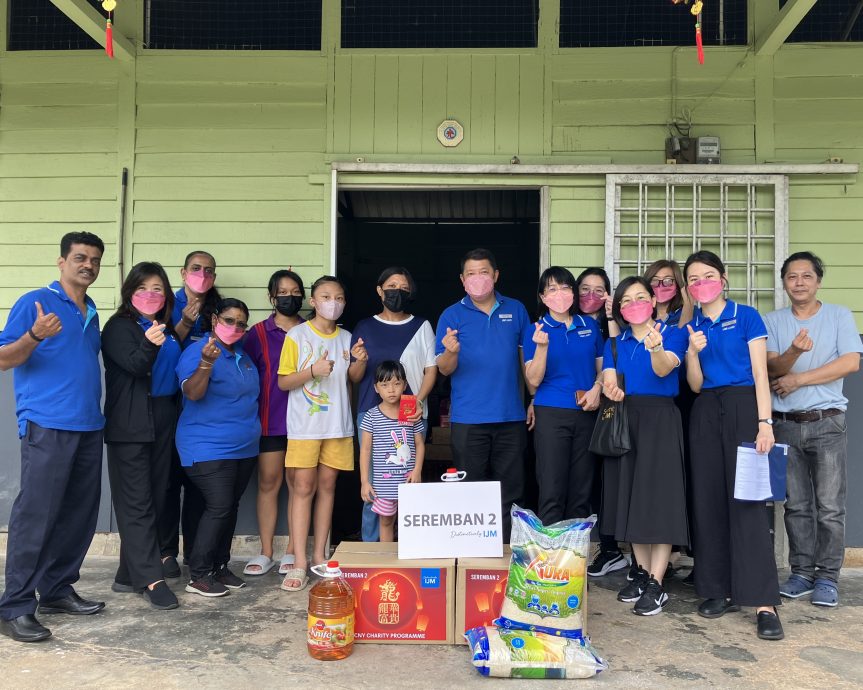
(407, 408)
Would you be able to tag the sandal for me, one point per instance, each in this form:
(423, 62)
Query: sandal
(286, 563)
(295, 575)
(825, 593)
(795, 587)
(259, 565)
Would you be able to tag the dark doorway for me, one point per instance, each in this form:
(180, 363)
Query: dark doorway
(428, 232)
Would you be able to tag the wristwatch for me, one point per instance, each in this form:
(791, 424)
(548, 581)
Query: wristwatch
(766, 421)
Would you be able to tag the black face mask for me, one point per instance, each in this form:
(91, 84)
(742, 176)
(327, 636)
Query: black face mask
(288, 305)
(397, 300)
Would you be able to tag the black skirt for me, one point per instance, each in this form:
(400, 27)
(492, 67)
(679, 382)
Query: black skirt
(644, 491)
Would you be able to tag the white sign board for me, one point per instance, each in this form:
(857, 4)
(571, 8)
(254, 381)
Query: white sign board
(450, 520)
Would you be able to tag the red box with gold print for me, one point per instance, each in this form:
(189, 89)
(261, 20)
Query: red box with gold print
(480, 590)
(398, 601)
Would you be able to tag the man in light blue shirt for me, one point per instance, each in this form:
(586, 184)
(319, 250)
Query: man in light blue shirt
(811, 348)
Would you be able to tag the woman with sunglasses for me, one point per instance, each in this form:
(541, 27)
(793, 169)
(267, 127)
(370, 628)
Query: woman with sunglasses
(218, 437)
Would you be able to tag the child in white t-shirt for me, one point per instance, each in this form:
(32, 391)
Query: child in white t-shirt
(390, 453)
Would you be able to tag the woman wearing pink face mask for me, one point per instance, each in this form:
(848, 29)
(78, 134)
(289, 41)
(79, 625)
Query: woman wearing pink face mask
(563, 356)
(140, 351)
(727, 364)
(593, 292)
(196, 297)
(644, 497)
(314, 368)
(217, 439)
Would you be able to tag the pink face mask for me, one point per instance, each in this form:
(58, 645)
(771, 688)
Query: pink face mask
(664, 294)
(590, 303)
(228, 334)
(479, 287)
(199, 281)
(637, 313)
(559, 301)
(705, 291)
(147, 302)
(331, 309)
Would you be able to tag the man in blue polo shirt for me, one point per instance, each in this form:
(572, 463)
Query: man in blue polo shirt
(52, 341)
(478, 346)
(811, 347)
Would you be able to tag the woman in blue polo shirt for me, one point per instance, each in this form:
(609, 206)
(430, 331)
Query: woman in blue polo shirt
(727, 364)
(217, 437)
(562, 358)
(141, 351)
(644, 492)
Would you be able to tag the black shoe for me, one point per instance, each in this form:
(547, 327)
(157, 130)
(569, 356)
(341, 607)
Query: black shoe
(71, 604)
(170, 568)
(160, 597)
(634, 590)
(633, 569)
(227, 578)
(121, 587)
(607, 562)
(714, 608)
(207, 587)
(24, 629)
(769, 625)
(652, 600)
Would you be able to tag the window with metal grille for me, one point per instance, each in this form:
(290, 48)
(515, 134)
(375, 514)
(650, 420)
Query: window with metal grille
(439, 23)
(742, 218)
(39, 25)
(829, 21)
(232, 25)
(598, 23)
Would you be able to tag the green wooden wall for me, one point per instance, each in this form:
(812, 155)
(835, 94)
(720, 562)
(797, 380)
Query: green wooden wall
(231, 151)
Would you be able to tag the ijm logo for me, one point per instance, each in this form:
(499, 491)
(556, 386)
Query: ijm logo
(429, 578)
(489, 533)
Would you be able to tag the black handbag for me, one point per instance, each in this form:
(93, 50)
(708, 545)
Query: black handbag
(610, 437)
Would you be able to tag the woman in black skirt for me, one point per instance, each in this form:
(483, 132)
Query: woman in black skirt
(727, 364)
(644, 493)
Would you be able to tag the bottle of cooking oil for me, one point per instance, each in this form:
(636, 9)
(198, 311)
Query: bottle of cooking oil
(331, 615)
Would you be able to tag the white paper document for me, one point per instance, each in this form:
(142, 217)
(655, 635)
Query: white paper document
(752, 481)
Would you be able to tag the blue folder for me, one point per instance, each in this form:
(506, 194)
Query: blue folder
(778, 459)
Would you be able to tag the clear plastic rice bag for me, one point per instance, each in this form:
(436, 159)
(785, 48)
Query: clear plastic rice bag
(524, 654)
(547, 575)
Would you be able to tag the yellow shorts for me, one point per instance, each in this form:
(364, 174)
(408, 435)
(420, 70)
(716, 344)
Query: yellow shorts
(337, 453)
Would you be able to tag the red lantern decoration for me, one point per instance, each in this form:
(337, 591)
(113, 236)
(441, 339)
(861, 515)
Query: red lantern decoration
(108, 6)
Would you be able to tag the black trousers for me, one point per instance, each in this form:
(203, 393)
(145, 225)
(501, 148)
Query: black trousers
(176, 512)
(732, 538)
(493, 452)
(139, 475)
(564, 466)
(221, 483)
(53, 518)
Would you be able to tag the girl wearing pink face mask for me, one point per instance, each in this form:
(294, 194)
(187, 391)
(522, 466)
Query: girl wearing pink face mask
(314, 368)
(141, 351)
(196, 297)
(563, 354)
(726, 363)
(593, 292)
(644, 497)
(217, 440)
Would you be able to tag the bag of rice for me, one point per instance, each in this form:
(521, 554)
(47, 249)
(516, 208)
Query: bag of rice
(524, 654)
(547, 575)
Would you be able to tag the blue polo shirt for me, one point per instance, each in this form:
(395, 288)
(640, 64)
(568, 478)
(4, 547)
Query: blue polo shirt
(163, 377)
(486, 385)
(570, 363)
(224, 424)
(197, 331)
(60, 385)
(725, 361)
(633, 361)
(673, 318)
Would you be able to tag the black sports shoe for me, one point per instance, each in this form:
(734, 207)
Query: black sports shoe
(633, 569)
(607, 562)
(633, 590)
(160, 597)
(207, 587)
(227, 578)
(652, 600)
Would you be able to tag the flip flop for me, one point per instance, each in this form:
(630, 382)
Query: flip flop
(264, 565)
(297, 574)
(286, 563)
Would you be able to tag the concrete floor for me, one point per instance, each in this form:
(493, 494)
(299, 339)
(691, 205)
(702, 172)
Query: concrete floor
(256, 638)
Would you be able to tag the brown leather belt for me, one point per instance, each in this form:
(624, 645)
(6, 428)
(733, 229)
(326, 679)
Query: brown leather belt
(811, 416)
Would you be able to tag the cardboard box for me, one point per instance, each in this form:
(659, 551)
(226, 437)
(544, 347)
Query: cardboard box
(441, 435)
(398, 602)
(480, 589)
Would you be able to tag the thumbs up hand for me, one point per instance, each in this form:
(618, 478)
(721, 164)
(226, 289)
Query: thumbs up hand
(155, 333)
(46, 325)
(324, 365)
(450, 341)
(697, 339)
(653, 339)
(802, 342)
(358, 351)
(540, 337)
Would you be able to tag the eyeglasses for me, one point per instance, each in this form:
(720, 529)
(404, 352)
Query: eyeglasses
(554, 289)
(584, 290)
(208, 270)
(664, 282)
(229, 321)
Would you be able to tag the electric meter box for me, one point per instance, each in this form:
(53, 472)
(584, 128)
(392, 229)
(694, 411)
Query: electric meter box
(707, 150)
